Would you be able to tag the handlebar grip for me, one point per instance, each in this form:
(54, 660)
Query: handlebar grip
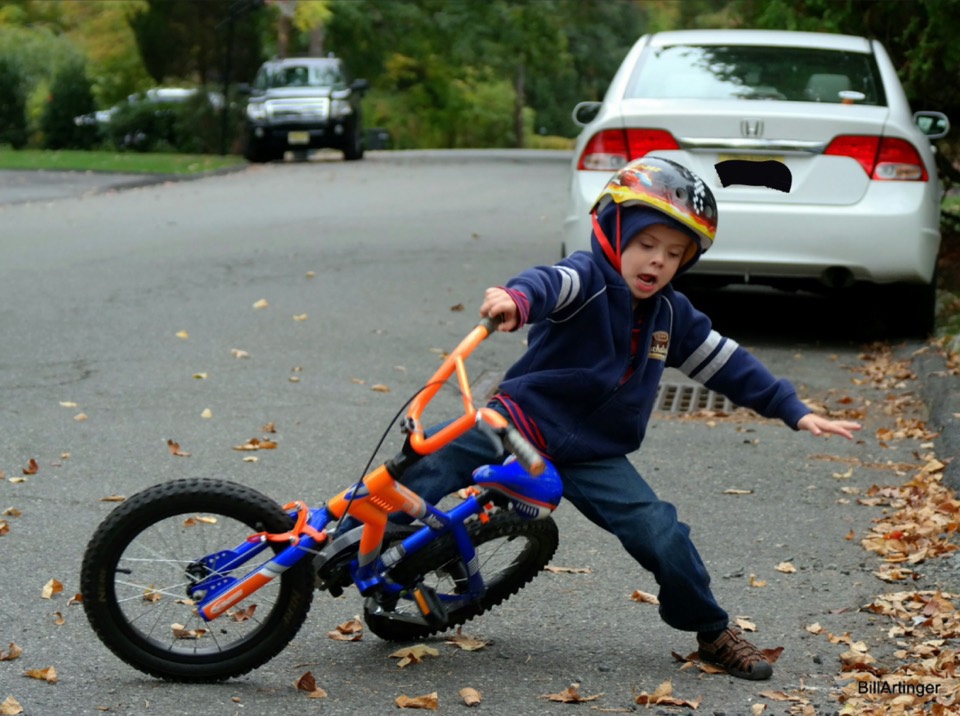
(526, 454)
(491, 323)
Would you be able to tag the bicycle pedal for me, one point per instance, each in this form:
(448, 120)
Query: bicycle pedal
(430, 605)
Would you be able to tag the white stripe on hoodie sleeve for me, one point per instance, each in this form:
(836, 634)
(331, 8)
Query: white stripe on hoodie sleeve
(569, 287)
(707, 371)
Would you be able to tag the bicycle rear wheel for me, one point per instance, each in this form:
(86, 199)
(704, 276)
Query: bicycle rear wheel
(143, 557)
(510, 553)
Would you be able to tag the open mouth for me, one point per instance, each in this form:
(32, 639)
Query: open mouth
(646, 282)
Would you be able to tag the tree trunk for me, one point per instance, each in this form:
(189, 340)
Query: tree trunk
(518, 106)
(316, 41)
(283, 36)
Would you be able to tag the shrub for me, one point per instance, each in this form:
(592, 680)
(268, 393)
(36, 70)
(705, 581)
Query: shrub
(13, 116)
(70, 96)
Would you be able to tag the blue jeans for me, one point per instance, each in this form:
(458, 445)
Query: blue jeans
(613, 495)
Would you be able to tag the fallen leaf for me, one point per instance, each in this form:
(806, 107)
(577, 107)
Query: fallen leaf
(814, 628)
(567, 570)
(754, 582)
(294, 379)
(175, 449)
(570, 695)
(256, 444)
(466, 642)
(310, 274)
(181, 632)
(200, 376)
(844, 475)
(380, 388)
(693, 660)
(269, 428)
(757, 709)
(206, 414)
(413, 654)
(308, 683)
(49, 674)
(58, 619)
(50, 588)
(182, 335)
(12, 653)
(663, 696)
(644, 597)
(300, 317)
(151, 595)
(351, 630)
(31, 468)
(457, 307)
(68, 404)
(262, 303)
(10, 707)
(237, 353)
(427, 701)
(242, 615)
(113, 498)
(4, 527)
(734, 491)
(786, 568)
(11, 512)
(17, 480)
(745, 624)
(470, 696)
(80, 417)
(251, 458)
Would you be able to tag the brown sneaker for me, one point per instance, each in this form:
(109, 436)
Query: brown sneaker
(738, 656)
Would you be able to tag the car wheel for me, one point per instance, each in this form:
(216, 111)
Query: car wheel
(354, 150)
(257, 152)
(910, 308)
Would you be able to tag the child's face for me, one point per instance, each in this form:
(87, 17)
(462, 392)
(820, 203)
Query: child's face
(652, 259)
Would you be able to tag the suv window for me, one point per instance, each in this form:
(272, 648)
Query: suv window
(756, 72)
(306, 75)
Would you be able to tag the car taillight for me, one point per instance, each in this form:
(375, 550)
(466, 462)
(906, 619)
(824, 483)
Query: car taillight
(882, 158)
(612, 148)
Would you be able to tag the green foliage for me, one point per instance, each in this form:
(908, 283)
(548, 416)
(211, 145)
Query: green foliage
(70, 96)
(13, 117)
(191, 126)
(185, 40)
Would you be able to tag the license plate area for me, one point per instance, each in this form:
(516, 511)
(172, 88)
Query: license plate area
(753, 170)
(298, 137)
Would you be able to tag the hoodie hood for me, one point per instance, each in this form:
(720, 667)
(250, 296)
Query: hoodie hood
(616, 225)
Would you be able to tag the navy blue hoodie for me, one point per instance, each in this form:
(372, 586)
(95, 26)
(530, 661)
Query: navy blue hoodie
(570, 382)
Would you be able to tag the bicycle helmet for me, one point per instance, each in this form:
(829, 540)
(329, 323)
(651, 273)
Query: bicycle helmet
(668, 187)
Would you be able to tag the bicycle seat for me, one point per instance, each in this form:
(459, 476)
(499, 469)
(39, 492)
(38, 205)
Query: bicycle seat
(531, 497)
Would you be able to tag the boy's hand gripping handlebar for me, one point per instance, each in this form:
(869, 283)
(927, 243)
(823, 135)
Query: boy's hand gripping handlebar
(513, 441)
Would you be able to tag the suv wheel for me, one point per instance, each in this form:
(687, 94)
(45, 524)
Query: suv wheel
(354, 150)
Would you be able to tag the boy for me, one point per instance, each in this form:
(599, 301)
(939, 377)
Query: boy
(604, 326)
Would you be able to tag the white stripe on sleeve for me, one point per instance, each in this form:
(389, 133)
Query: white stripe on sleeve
(569, 287)
(717, 362)
(701, 353)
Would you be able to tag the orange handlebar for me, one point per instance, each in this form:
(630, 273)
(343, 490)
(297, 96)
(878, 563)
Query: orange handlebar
(452, 363)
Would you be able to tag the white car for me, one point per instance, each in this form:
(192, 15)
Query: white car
(824, 178)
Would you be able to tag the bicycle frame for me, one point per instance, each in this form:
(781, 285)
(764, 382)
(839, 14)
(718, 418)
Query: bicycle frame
(370, 501)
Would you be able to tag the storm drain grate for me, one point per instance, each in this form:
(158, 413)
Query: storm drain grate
(685, 398)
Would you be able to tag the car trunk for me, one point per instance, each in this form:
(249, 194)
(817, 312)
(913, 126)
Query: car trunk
(713, 133)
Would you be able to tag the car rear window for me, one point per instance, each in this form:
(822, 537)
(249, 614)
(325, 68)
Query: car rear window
(756, 72)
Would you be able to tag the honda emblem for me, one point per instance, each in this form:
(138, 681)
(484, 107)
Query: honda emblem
(751, 128)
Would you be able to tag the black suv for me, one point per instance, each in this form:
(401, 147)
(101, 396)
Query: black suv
(302, 103)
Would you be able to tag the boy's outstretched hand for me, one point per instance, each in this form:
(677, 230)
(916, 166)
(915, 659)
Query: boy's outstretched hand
(497, 302)
(819, 425)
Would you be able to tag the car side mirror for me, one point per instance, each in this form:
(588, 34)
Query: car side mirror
(586, 112)
(935, 125)
(359, 86)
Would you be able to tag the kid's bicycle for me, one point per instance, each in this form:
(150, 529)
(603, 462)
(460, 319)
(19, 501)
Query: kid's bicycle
(203, 580)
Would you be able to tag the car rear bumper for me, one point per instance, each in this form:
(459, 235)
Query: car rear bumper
(891, 235)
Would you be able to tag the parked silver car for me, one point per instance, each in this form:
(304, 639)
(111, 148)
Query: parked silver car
(824, 177)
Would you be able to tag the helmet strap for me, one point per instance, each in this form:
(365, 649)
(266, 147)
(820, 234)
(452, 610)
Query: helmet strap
(612, 254)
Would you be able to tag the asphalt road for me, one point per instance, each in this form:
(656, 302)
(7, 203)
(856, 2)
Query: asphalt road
(376, 259)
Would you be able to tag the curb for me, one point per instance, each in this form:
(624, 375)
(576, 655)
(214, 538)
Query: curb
(940, 393)
(143, 180)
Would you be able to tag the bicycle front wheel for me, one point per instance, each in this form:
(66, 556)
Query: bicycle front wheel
(511, 551)
(141, 560)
